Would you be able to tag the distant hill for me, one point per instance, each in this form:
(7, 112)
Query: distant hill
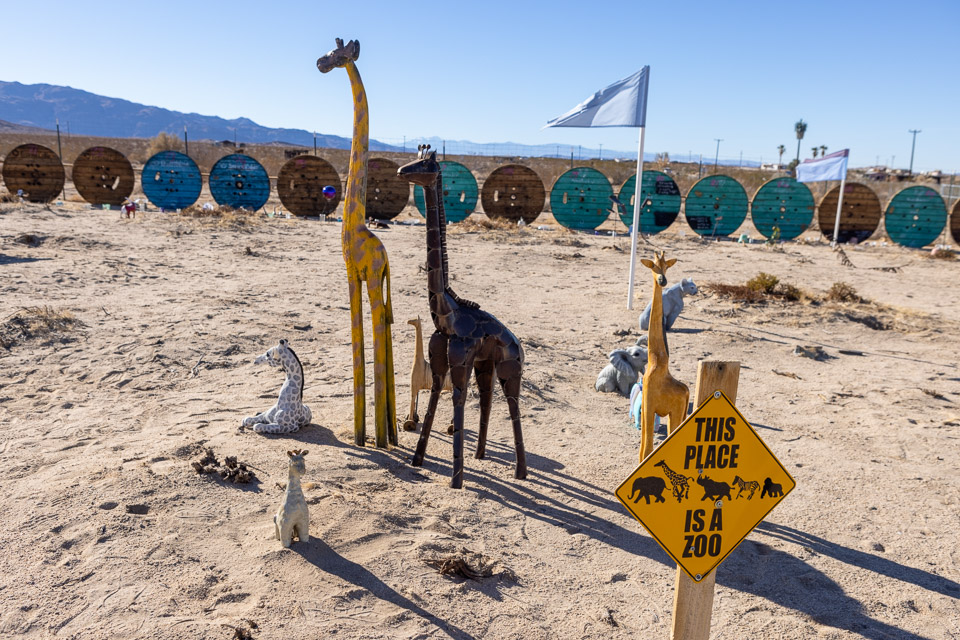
(10, 127)
(39, 105)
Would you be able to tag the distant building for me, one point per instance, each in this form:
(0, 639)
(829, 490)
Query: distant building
(772, 166)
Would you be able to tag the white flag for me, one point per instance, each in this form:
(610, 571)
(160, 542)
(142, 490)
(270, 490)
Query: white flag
(831, 167)
(622, 104)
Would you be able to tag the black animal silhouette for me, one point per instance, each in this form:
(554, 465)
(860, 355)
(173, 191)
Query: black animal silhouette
(712, 489)
(771, 488)
(648, 486)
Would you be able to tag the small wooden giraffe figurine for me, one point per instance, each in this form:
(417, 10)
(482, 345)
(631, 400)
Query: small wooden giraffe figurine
(466, 337)
(663, 395)
(366, 260)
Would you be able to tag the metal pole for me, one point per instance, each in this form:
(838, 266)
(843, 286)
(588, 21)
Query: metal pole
(836, 224)
(59, 150)
(444, 150)
(571, 157)
(700, 168)
(314, 143)
(635, 231)
(912, 147)
(716, 158)
(186, 140)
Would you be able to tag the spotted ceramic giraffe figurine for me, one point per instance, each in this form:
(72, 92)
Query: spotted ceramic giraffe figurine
(366, 260)
(466, 337)
(663, 395)
(289, 413)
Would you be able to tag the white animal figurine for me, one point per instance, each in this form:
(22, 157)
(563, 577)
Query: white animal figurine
(289, 413)
(625, 368)
(672, 304)
(292, 516)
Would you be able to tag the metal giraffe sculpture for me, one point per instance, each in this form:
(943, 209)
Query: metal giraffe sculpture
(662, 393)
(366, 260)
(466, 337)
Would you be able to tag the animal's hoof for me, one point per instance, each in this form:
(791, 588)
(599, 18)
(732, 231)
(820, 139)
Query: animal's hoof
(450, 429)
(409, 425)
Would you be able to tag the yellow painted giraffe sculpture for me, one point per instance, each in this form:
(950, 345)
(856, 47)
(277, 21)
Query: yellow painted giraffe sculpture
(366, 260)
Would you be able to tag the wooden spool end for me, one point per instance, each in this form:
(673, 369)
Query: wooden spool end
(859, 218)
(513, 192)
(300, 184)
(36, 170)
(103, 176)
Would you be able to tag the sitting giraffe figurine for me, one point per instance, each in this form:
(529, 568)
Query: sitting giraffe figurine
(289, 413)
(292, 516)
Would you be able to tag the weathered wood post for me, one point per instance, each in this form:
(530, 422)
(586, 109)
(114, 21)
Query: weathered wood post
(693, 601)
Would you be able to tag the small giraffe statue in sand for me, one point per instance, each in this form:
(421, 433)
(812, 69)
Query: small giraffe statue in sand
(366, 260)
(289, 413)
(292, 516)
(663, 395)
(466, 337)
(421, 378)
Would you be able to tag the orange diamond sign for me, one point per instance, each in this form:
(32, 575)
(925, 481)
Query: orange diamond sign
(706, 487)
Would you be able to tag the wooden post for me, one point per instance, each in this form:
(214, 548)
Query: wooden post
(693, 601)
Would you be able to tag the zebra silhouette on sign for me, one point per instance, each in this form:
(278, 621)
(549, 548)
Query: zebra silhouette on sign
(746, 485)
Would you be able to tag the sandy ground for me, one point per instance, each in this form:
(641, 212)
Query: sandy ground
(109, 532)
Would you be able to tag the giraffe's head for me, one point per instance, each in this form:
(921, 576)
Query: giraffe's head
(414, 321)
(339, 57)
(297, 465)
(659, 267)
(422, 171)
(273, 355)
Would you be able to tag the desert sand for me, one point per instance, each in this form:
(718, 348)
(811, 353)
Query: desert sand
(110, 533)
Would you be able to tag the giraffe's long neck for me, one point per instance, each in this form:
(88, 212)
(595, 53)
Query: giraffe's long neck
(443, 246)
(418, 354)
(354, 206)
(440, 303)
(656, 345)
(293, 485)
(294, 371)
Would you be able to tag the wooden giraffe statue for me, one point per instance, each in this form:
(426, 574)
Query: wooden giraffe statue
(466, 337)
(663, 395)
(366, 260)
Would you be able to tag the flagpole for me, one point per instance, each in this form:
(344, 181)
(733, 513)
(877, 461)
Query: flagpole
(635, 230)
(836, 225)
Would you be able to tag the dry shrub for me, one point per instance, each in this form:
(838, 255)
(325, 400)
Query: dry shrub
(763, 283)
(942, 253)
(36, 323)
(478, 222)
(164, 142)
(763, 286)
(842, 292)
(223, 216)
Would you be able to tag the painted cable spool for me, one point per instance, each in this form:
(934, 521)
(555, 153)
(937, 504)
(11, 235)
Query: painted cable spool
(459, 192)
(36, 170)
(387, 193)
(103, 176)
(300, 184)
(237, 180)
(513, 192)
(785, 204)
(915, 216)
(660, 203)
(859, 218)
(955, 222)
(716, 206)
(171, 180)
(580, 199)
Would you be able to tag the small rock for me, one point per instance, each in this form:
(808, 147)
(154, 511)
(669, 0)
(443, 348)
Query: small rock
(138, 509)
(109, 505)
(878, 547)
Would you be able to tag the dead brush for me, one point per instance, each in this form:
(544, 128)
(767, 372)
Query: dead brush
(942, 253)
(760, 288)
(223, 217)
(31, 323)
(842, 292)
(478, 222)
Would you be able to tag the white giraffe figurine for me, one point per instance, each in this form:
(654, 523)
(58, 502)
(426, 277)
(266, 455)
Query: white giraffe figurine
(292, 516)
(289, 413)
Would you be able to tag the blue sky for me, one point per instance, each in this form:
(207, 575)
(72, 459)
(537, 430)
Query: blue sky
(859, 73)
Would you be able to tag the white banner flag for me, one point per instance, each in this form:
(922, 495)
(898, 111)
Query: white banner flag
(831, 167)
(622, 104)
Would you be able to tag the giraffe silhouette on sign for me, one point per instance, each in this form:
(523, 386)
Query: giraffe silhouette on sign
(679, 482)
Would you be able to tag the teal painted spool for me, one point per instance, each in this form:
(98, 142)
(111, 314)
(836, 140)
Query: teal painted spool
(915, 217)
(660, 205)
(783, 203)
(580, 199)
(239, 181)
(460, 192)
(171, 180)
(716, 206)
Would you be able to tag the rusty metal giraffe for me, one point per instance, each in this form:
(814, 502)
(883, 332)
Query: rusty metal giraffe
(662, 393)
(466, 337)
(366, 261)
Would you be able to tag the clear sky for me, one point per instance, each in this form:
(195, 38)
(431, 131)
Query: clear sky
(859, 73)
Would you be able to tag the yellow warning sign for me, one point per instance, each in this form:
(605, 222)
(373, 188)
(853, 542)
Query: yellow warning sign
(706, 486)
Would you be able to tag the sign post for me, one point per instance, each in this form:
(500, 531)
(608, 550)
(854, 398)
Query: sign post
(702, 491)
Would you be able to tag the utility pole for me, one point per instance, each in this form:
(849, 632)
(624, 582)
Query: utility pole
(186, 141)
(912, 147)
(59, 150)
(716, 158)
(314, 143)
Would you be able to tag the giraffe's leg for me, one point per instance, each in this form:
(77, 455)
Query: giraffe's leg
(391, 381)
(356, 337)
(378, 311)
(484, 372)
(460, 355)
(411, 422)
(646, 423)
(438, 367)
(511, 389)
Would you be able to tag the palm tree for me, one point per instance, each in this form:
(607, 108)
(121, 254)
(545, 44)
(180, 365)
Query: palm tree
(823, 150)
(799, 128)
(781, 149)
(815, 150)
